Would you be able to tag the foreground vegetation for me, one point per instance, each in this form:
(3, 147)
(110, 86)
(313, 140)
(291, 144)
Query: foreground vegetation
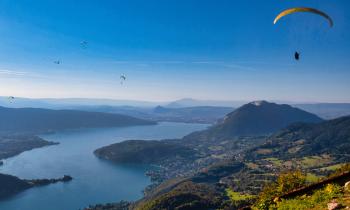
(269, 198)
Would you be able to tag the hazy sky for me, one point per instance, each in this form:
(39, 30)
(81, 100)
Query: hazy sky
(170, 49)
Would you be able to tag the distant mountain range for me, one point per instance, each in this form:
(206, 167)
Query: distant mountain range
(34, 120)
(144, 108)
(189, 102)
(63, 103)
(327, 110)
(202, 114)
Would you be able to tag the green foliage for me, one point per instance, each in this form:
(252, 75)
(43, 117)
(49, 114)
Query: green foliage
(344, 168)
(236, 196)
(312, 178)
(318, 199)
(187, 195)
(290, 181)
(293, 180)
(286, 182)
(237, 200)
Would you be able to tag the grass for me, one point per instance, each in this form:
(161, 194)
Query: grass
(318, 200)
(275, 161)
(236, 196)
(315, 161)
(312, 178)
(332, 167)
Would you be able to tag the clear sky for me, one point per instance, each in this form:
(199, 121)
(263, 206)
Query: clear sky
(171, 49)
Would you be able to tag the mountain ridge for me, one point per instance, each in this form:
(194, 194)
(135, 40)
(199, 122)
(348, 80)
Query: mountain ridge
(37, 120)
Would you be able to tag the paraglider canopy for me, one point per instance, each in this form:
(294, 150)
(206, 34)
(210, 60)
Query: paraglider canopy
(304, 9)
(122, 78)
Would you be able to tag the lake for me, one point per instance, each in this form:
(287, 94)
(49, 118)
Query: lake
(94, 180)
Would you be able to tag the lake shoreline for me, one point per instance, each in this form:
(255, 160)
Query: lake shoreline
(95, 180)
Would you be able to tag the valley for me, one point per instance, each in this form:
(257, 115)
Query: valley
(222, 159)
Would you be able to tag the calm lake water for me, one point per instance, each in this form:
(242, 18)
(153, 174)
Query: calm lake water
(95, 180)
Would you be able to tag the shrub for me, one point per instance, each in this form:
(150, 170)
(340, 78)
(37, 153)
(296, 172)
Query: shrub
(286, 182)
(318, 199)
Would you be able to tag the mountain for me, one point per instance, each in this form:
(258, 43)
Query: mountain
(198, 114)
(257, 118)
(327, 110)
(190, 102)
(203, 114)
(64, 103)
(33, 120)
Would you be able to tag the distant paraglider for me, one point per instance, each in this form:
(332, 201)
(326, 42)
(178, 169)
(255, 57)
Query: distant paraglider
(83, 44)
(297, 56)
(122, 79)
(303, 9)
(11, 98)
(57, 62)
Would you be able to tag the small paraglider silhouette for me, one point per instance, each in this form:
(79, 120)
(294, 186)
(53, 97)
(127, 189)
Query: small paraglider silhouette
(83, 44)
(11, 98)
(297, 56)
(57, 62)
(122, 79)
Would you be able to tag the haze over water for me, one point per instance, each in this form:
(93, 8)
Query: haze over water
(94, 180)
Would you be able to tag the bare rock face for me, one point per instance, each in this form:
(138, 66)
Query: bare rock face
(334, 205)
(347, 186)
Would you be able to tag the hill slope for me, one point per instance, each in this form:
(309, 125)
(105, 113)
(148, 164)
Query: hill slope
(11, 145)
(32, 120)
(299, 140)
(10, 185)
(256, 118)
(148, 152)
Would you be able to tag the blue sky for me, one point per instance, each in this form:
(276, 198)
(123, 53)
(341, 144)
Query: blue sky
(218, 49)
